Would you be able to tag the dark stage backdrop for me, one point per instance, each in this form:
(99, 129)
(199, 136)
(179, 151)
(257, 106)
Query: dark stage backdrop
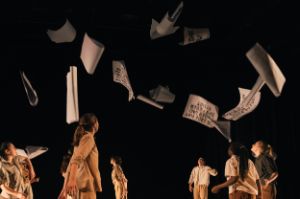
(159, 147)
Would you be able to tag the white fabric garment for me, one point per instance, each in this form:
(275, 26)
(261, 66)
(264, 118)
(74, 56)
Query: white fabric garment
(247, 185)
(200, 175)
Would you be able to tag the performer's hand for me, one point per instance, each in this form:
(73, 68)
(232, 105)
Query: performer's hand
(21, 196)
(71, 187)
(215, 189)
(62, 195)
(214, 171)
(267, 182)
(190, 188)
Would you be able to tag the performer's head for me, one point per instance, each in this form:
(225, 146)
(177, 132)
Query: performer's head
(116, 160)
(236, 148)
(261, 147)
(201, 161)
(241, 151)
(258, 148)
(88, 123)
(8, 150)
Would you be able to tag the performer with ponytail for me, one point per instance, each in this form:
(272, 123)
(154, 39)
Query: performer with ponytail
(266, 167)
(241, 174)
(83, 176)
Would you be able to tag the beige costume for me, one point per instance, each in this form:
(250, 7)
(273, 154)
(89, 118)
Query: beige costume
(200, 177)
(85, 156)
(11, 175)
(246, 186)
(120, 182)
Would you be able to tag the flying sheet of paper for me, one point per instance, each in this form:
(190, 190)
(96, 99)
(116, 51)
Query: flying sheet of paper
(242, 109)
(150, 102)
(72, 114)
(224, 128)
(166, 26)
(22, 153)
(30, 92)
(267, 68)
(66, 33)
(200, 110)
(120, 76)
(91, 52)
(177, 12)
(32, 151)
(193, 35)
(162, 94)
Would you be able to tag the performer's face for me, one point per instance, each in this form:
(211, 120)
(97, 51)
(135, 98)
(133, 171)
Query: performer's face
(112, 161)
(256, 148)
(11, 150)
(201, 162)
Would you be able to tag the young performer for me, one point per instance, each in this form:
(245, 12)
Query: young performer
(266, 167)
(241, 174)
(118, 178)
(200, 178)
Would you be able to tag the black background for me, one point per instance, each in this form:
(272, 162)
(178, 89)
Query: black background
(159, 147)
